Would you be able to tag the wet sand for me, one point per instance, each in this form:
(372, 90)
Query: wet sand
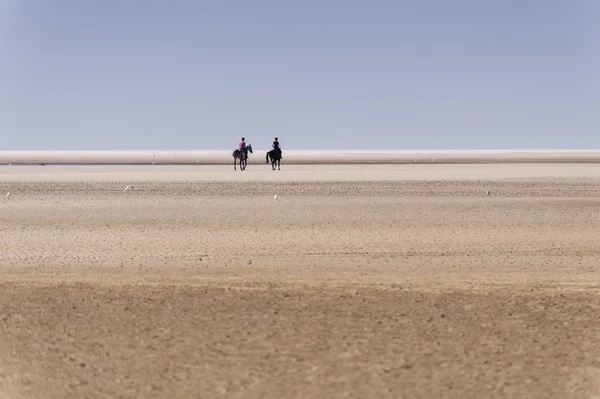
(358, 281)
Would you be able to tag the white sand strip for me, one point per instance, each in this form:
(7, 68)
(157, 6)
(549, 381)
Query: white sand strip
(299, 157)
(186, 173)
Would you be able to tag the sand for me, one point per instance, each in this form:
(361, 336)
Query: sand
(358, 281)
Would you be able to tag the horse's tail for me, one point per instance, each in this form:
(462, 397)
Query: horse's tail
(267, 157)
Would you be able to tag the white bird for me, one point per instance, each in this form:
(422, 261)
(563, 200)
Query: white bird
(7, 195)
(275, 196)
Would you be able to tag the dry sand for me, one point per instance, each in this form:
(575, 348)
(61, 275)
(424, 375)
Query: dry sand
(358, 281)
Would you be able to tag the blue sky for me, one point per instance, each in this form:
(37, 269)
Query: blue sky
(319, 74)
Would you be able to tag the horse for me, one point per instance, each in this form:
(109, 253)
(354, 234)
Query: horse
(242, 155)
(275, 156)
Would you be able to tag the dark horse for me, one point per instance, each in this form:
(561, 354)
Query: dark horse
(242, 155)
(275, 156)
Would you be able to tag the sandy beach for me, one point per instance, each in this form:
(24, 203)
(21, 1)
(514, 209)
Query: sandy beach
(358, 281)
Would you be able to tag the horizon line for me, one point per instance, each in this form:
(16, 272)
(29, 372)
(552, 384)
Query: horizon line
(314, 157)
(481, 150)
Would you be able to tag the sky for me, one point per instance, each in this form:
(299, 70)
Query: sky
(318, 74)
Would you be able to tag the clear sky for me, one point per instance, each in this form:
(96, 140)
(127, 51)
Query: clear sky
(319, 74)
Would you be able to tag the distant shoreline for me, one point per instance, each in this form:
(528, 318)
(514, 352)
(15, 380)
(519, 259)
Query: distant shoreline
(298, 157)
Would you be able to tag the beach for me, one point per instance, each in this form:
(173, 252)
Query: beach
(456, 280)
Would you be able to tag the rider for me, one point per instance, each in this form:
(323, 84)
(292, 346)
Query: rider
(276, 147)
(242, 145)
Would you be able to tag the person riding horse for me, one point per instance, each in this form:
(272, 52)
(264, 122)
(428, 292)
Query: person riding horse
(274, 155)
(276, 147)
(241, 154)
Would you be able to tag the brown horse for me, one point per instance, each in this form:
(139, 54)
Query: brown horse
(242, 155)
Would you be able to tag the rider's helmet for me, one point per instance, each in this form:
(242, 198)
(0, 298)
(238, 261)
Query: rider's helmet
(243, 139)
(276, 139)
